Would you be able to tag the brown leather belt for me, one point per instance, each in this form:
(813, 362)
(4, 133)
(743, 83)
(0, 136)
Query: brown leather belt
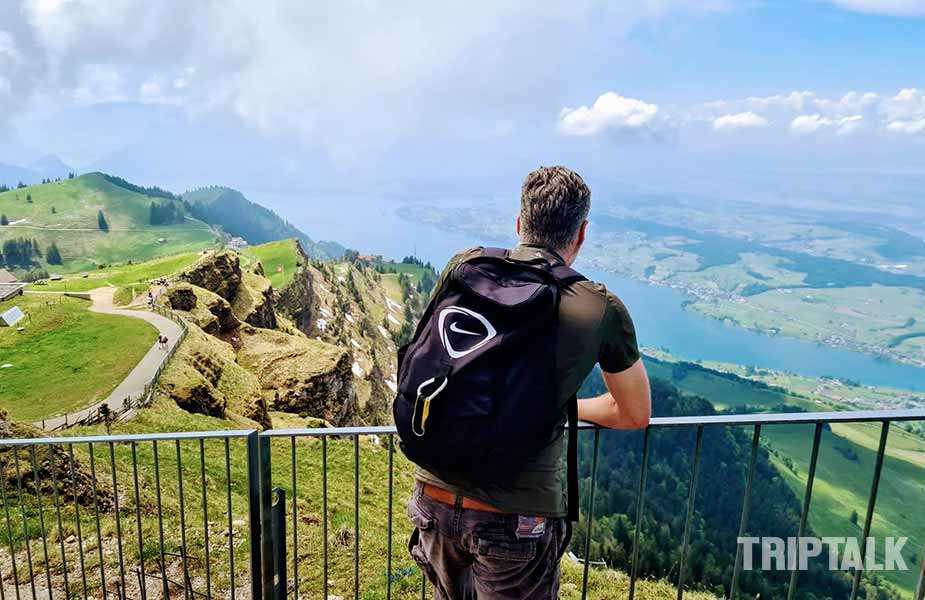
(447, 497)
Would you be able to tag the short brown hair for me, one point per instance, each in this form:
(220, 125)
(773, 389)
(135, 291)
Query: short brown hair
(554, 202)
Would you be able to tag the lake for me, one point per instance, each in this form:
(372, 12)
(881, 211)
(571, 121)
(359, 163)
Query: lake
(371, 225)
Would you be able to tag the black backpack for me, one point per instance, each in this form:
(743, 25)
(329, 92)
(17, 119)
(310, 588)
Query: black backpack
(477, 387)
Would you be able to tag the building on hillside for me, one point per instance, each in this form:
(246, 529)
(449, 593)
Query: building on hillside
(370, 258)
(9, 285)
(236, 243)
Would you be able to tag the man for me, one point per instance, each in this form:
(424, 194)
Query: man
(505, 539)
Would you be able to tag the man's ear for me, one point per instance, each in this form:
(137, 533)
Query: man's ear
(517, 226)
(581, 236)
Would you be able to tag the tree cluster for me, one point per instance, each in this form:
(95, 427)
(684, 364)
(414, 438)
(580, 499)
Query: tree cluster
(166, 213)
(20, 252)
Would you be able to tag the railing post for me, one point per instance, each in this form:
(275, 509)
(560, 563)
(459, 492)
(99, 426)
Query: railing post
(253, 501)
(279, 544)
(266, 517)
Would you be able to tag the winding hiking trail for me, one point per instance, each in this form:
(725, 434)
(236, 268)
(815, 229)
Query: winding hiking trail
(134, 383)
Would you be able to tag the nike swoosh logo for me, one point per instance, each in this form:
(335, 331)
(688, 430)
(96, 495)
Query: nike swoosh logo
(454, 327)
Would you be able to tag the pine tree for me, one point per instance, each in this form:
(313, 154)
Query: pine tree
(29, 198)
(4, 220)
(54, 210)
(53, 255)
(101, 221)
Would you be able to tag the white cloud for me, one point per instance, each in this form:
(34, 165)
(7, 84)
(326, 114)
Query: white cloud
(809, 123)
(342, 75)
(849, 125)
(745, 120)
(899, 8)
(909, 127)
(610, 112)
(793, 101)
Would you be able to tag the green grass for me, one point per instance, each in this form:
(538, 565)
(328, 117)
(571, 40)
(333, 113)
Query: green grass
(138, 274)
(279, 259)
(66, 357)
(305, 479)
(73, 224)
(842, 485)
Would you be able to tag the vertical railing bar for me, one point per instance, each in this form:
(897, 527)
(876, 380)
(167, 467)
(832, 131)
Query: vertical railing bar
(324, 511)
(9, 534)
(160, 521)
(253, 491)
(691, 499)
(640, 506)
(590, 521)
(295, 524)
(141, 547)
(38, 500)
(96, 514)
(266, 516)
(743, 520)
(25, 525)
(871, 503)
(388, 557)
(115, 495)
(804, 514)
(80, 539)
(920, 587)
(356, 516)
(230, 518)
(205, 515)
(183, 553)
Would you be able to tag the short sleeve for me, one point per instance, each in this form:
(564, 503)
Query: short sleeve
(619, 349)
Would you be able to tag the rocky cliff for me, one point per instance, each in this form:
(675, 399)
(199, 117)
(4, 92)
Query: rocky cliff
(321, 347)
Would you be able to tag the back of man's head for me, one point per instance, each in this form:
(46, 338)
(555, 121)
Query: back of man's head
(554, 202)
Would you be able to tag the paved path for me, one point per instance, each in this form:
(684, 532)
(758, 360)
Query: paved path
(134, 384)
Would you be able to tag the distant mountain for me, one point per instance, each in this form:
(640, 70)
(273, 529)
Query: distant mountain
(11, 175)
(51, 167)
(47, 167)
(240, 217)
(66, 213)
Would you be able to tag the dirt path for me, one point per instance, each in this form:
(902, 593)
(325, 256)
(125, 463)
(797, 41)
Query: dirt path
(134, 384)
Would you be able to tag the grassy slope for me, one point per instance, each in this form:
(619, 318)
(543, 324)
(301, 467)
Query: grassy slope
(842, 485)
(123, 276)
(74, 228)
(274, 256)
(373, 515)
(67, 357)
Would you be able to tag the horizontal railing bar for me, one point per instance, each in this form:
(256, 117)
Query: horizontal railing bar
(860, 416)
(139, 437)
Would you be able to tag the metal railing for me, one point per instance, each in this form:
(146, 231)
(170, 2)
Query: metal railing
(206, 515)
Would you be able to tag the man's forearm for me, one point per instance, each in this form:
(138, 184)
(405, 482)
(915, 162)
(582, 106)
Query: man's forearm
(604, 411)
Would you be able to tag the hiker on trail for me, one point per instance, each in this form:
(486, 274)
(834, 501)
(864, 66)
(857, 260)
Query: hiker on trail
(486, 386)
(150, 299)
(163, 342)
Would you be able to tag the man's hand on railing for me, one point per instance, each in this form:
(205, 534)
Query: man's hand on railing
(627, 403)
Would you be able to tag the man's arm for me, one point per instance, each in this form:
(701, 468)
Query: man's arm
(626, 405)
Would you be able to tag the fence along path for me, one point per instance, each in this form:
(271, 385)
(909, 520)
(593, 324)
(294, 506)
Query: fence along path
(135, 389)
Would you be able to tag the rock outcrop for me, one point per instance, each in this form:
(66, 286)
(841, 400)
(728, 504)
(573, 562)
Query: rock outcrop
(204, 378)
(300, 375)
(219, 273)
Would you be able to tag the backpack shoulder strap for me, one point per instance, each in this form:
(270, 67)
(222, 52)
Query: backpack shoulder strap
(572, 459)
(566, 275)
(493, 253)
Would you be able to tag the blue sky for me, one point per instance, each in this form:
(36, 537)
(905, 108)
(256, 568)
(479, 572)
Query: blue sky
(369, 95)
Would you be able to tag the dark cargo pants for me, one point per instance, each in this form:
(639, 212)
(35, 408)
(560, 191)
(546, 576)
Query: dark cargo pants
(468, 554)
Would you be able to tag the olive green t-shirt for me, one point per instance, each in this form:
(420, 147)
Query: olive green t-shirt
(594, 328)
